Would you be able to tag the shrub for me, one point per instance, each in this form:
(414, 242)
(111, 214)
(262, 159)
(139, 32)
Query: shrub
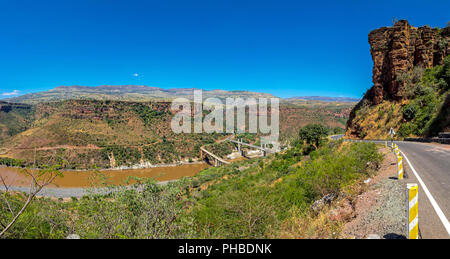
(406, 129)
(151, 211)
(313, 134)
(409, 111)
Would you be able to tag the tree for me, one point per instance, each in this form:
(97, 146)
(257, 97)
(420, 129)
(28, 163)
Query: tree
(338, 130)
(38, 180)
(313, 134)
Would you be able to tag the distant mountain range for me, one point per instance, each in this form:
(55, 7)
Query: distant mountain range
(142, 93)
(125, 93)
(325, 99)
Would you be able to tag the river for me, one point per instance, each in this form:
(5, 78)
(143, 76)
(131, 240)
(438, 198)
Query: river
(91, 178)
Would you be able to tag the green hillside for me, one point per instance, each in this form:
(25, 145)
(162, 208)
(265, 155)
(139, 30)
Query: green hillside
(14, 118)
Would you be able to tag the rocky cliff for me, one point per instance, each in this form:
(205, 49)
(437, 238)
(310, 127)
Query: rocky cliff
(399, 49)
(396, 50)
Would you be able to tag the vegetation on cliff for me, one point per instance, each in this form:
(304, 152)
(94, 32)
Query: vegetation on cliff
(428, 109)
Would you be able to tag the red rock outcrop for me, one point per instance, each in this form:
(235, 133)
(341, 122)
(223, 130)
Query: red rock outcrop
(399, 49)
(396, 50)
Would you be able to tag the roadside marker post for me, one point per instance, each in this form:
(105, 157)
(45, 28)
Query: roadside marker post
(412, 196)
(399, 167)
(430, 197)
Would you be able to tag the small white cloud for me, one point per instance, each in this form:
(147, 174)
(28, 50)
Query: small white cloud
(15, 92)
(135, 74)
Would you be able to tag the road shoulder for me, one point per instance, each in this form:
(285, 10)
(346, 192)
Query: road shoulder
(380, 209)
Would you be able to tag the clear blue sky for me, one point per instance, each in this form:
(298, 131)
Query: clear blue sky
(287, 48)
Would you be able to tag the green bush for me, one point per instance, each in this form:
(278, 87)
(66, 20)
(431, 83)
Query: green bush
(409, 111)
(313, 134)
(406, 129)
(425, 112)
(152, 212)
(43, 218)
(11, 162)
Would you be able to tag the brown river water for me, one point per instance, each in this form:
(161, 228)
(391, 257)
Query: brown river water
(88, 178)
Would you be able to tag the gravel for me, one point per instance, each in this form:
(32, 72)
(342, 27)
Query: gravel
(382, 208)
(390, 214)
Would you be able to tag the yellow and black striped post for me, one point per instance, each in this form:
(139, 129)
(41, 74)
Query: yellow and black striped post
(399, 167)
(412, 194)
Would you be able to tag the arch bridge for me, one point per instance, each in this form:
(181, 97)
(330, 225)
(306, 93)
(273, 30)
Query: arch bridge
(217, 161)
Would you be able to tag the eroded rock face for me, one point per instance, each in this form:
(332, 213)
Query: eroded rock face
(400, 48)
(395, 50)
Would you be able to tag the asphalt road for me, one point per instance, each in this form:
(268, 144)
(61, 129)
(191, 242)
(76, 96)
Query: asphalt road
(431, 162)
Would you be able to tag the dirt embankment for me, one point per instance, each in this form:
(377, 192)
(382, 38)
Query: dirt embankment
(377, 207)
(380, 209)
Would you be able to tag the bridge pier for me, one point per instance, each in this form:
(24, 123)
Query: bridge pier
(239, 144)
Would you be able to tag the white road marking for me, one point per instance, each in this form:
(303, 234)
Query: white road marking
(436, 207)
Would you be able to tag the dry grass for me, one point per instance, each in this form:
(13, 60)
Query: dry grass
(377, 120)
(306, 225)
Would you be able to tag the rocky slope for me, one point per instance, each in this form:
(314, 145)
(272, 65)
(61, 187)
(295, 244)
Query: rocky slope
(400, 54)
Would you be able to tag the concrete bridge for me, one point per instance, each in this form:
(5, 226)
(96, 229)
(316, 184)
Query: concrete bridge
(240, 143)
(217, 161)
